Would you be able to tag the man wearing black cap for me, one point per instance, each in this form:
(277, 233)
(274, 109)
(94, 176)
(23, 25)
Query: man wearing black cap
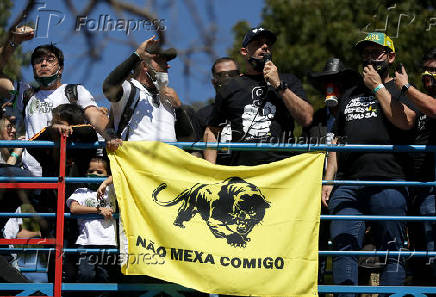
(261, 105)
(144, 107)
(370, 112)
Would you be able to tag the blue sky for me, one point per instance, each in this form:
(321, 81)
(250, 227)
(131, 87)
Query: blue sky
(56, 24)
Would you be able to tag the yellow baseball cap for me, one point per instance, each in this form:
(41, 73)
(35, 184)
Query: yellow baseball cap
(378, 38)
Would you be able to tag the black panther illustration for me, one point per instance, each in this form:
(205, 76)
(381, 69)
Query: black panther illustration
(230, 208)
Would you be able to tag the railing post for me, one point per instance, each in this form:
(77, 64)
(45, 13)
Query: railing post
(60, 219)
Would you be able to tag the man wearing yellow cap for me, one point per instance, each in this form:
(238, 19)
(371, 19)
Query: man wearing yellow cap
(372, 111)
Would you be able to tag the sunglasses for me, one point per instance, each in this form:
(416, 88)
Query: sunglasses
(430, 69)
(226, 74)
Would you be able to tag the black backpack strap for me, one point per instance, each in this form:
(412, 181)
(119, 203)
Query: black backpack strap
(71, 93)
(128, 109)
(27, 94)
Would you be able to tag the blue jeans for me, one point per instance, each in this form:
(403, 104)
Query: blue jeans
(348, 235)
(425, 201)
(97, 268)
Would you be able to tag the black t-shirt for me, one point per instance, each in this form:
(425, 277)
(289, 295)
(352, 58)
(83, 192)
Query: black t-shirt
(321, 128)
(423, 163)
(257, 114)
(224, 157)
(361, 121)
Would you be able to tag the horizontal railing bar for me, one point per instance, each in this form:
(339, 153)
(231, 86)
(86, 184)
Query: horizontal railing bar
(246, 146)
(71, 180)
(376, 218)
(174, 287)
(166, 287)
(419, 254)
(323, 217)
(304, 147)
(52, 215)
(376, 289)
(27, 286)
(27, 144)
(75, 180)
(33, 269)
(379, 183)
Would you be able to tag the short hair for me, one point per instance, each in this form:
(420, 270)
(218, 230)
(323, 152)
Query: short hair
(46, 49)
(105, 160)
(72, 113)
(431, 55)
(223, 59)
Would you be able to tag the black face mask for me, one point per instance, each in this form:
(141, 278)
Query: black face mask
(93, 186)
(380, 66)
(257, 64)
(429, 87)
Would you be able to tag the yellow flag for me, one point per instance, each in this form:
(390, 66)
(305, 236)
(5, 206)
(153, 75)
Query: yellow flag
(245, 230)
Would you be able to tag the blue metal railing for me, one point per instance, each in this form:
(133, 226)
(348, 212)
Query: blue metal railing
(175, 289)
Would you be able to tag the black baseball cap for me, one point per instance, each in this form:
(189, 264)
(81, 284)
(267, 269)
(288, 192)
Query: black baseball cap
(167, 54)
(258, 31)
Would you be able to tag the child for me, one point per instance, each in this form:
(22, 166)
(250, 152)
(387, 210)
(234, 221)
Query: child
(95, 233)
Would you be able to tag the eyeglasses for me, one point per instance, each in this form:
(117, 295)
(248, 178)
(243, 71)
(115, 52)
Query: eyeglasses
(226, 74)
(373, 54)
(49, 60)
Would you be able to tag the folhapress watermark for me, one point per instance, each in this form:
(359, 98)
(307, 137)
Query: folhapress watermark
(105, 23)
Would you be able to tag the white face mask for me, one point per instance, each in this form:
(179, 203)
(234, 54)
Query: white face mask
(161, 80)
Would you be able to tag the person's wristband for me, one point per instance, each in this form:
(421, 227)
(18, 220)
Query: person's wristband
(137, 55)
(13, 154)
(98, 209)
(377, 88)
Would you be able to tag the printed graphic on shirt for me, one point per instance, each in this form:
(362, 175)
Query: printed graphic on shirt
(361, 108)
(226, 133)
(256, 119)
(422, 120)
(36, 106)
(91, 202)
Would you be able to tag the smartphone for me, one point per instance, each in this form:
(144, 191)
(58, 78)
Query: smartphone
(400, 68)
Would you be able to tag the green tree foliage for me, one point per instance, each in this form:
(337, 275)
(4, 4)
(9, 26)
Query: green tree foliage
(311, 31)
(13, 68)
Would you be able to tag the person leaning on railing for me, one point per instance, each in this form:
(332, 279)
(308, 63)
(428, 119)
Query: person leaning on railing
(424, 163)
(10, 156)
(373, 111)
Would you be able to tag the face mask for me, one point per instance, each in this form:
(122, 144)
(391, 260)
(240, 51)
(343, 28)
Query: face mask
(257, 64)
(93, 186)
(47, 81)
(380, 66)
(161, 80)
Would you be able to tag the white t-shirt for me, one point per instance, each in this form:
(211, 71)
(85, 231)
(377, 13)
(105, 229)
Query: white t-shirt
(150, 121)
(95, 231)
(38, 114)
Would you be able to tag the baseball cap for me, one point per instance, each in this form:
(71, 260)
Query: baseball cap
(378, 38)
(167, 54)
(258, 31)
